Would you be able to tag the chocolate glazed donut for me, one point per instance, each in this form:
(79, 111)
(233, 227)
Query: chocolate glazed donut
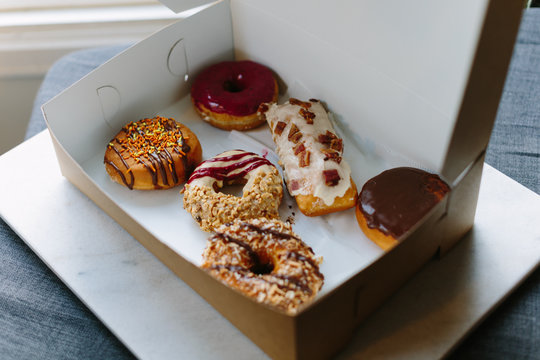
(392, 202)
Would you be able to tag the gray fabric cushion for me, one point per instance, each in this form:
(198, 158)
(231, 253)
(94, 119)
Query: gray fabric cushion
(41, 318)
(514, 148)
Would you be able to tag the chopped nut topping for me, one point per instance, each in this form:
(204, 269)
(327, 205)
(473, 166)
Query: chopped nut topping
(278, 130)
(330, 154)
(294, 134)
(299, 148)
(303, 158)
(307, 115)
(331, 177)
(304, 104)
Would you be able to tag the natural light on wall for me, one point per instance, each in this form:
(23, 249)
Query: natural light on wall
(52, 4)
(36, 33)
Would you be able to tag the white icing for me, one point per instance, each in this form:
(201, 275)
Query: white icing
(209, 181)
(311, 177)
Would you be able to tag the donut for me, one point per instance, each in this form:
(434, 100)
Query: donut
(311, 154)
(265, 260)
(228, 94)
(156, 153)
(262, 191)
(391, 203)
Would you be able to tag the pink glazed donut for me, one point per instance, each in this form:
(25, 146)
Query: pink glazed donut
(228, 94)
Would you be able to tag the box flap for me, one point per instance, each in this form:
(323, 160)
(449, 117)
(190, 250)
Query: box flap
(395, 74)
(182, 5)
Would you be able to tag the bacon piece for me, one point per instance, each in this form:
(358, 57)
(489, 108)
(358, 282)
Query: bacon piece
(330, 154)
(307, 115)
(331, 140)
(331, 177)
(299, 148)
(278, 130)
(337, 144)
(327, 138)
(303, 158)
(263, 108)
(304, 104)
(294, 134)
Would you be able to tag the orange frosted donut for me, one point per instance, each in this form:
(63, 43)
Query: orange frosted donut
(265, 260)
(228, 94)
(156, 153)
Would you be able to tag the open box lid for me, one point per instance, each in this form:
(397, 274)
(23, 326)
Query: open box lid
(414, 78)
(420, 79)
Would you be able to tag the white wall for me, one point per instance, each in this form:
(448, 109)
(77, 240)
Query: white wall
(16, 98)
(30, 42)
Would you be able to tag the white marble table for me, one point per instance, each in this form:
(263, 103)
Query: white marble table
(157, 316)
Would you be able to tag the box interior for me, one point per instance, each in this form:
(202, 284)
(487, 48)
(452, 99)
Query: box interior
(393, 92)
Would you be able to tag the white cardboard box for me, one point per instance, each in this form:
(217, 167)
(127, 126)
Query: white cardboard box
(414, 83)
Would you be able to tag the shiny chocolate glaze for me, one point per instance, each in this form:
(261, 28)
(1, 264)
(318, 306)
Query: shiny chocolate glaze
(395, 200)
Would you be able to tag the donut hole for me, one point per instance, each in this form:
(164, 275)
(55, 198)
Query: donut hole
(234, 85)
(234, 188)
(262, 269)
(263, 264)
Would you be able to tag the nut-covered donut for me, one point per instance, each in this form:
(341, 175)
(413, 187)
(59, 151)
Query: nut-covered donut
(156, 153)
(262, 192)
(228, 94)
(265, 260)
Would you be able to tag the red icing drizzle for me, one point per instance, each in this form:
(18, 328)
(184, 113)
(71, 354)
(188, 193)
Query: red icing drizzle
(233, 87)
(223, 172)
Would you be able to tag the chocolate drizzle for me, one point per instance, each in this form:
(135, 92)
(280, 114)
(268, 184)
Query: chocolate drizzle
(251, 253)
(268, 268)
(122, 176)
(278, 234)
(152, 171)
(395, 200)
(285, 283)
(300, 257)
(156, 157)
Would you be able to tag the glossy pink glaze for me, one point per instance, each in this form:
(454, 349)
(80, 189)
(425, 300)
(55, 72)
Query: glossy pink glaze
(233, 87)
